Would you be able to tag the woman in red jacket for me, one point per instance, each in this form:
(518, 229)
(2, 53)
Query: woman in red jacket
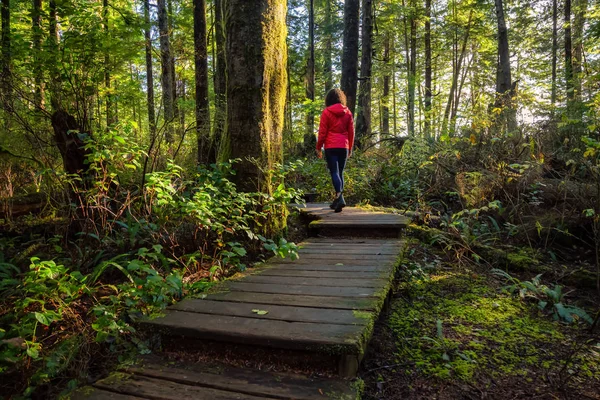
(336, 133)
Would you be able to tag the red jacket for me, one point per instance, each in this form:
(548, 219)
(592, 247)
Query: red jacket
(336, 130)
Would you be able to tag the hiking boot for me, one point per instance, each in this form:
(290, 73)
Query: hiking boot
(333, 204)
(340, 204)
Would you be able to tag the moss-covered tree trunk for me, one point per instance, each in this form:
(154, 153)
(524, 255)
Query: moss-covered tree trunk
(219, 81)
(349, 79)
(363, 115)
(201, 75)
(5, 55)
(256, 55)
(166, 75)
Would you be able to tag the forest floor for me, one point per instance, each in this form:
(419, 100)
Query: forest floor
(454, 332)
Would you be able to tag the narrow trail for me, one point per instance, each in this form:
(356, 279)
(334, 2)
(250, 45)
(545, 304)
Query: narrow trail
(321, 307)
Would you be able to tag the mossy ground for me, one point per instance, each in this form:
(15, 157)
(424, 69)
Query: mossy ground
(491, 344)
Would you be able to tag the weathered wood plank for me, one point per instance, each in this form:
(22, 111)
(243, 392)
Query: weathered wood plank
(274, 312)
(333, 250)
(162, 389)
(311, 265)
(92, 393)
(358, 241)
(325, 291)
(384, 274)
(321, 281)
(369, 257)
(342, 303)
(335, 339)
(257, 383)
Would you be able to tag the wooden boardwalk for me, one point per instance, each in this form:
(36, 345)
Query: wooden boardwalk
(324, 303)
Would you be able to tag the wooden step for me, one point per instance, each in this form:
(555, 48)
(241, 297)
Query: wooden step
(323, 303)
(158, 379)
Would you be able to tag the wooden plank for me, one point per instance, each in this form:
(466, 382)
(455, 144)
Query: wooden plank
(321, 281)
(274, 312)
(348, 266)
(92, 393)
(335, 260)
(364, 251)
(326, 240)
(152, 388)
(341, 303)
(326, 291)
(324, 274)
(331, 338)
(366, 257)
(257, 383)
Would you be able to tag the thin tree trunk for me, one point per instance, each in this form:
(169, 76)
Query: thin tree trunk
(172, 60)
(455, 75)
(328, 47)
(350, 52)
(363, 118)
(554, 50)
(166, 78)
(504, 86)
(568, 55)
(5, 58)
(385, 98)
(310, 140)
(36, 27)
(256, 54)
(54, 78)
(578, 25)
(109, 98)
(149, 72)
(201, 75)
(219, 81)
(412, 74)
(428, 68)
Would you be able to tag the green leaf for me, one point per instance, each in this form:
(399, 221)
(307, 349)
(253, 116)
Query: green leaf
(259, 312)
(33, 352)
(43, 319)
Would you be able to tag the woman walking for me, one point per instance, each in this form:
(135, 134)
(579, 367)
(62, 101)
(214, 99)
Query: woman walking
(336, 133)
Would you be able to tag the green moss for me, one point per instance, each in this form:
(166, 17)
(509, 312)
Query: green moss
(483, 329)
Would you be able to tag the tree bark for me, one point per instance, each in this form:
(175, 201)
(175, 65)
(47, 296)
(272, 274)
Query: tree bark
(568, 54)
(172, 60)
(349, 79)
(149, 72)
(363, 118)
(36, 28)
(310, 140)
(428, 82)
(412, 73)
(110, 118)
(5, 58)
(504, 86)
(256, 53)
(578, 25)
(328, 47)
(201, 75)
(166, 78)
(554, 50)
(69, 144)
(219, 82)
(385, 98)
(53, 40)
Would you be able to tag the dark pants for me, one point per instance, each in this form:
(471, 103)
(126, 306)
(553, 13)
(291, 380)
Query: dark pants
(336, 161)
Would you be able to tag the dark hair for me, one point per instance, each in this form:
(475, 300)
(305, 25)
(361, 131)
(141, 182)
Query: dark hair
(335, 96)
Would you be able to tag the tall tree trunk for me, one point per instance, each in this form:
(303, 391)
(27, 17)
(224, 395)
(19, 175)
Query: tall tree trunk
(385, 98)
(310, 140)
(504, 86)
(166, 78)
(455, 74)
(363, 118)
(328, 47)
(53, 40)
(428, 68)
(201, 75)
(36, 27)
(578, 25)
(412, 73)
(219, 81)
(149, 72)
(350, 52)
(5, 57)
(172, 60)
(554, 50)
(256, 54)
(568, 55)
(110, 119)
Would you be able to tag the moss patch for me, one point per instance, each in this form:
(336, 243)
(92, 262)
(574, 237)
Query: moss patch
(458, 325)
